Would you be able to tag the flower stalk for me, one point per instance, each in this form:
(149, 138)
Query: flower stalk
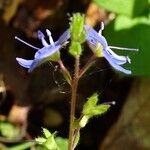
(78, 33)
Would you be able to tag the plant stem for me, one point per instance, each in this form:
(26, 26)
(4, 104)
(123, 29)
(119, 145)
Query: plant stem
(73, 103)
(87, 66)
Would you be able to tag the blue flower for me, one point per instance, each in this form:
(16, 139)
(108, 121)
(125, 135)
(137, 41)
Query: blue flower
(43, 54)
(96, 39)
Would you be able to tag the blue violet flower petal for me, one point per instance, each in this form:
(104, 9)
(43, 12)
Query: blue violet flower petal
(43, 54)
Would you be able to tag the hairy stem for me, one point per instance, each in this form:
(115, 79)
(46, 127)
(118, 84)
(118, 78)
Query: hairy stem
(87, 66)
(73, 103)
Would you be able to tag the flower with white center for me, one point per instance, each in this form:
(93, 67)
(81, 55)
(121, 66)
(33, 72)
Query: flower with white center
(97, 41)
(43, 54)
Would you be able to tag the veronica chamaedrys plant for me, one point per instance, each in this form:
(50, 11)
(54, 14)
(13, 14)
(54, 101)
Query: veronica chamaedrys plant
(100, 47)
(45, 53)
(77, 34)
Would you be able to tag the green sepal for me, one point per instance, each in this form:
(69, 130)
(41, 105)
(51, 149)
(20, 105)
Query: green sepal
(75, 49)
(55, 57)
(98, 50)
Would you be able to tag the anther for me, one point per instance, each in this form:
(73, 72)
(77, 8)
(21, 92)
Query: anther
(102, 28)
(49, 34)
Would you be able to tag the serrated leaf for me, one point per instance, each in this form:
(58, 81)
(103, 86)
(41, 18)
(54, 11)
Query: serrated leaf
(126, 7)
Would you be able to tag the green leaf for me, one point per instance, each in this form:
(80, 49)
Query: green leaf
(62, 143)
(9, 130)
(132, 33)
(126, 7)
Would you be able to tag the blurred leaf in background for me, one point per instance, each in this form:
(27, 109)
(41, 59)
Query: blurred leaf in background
(128, 31)
(9, 130)
(126, 7)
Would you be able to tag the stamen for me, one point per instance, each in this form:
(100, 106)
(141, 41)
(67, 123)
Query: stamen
(101, 29)
(50, 37)
(42, 38)
(17, 38)
(123, 48)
